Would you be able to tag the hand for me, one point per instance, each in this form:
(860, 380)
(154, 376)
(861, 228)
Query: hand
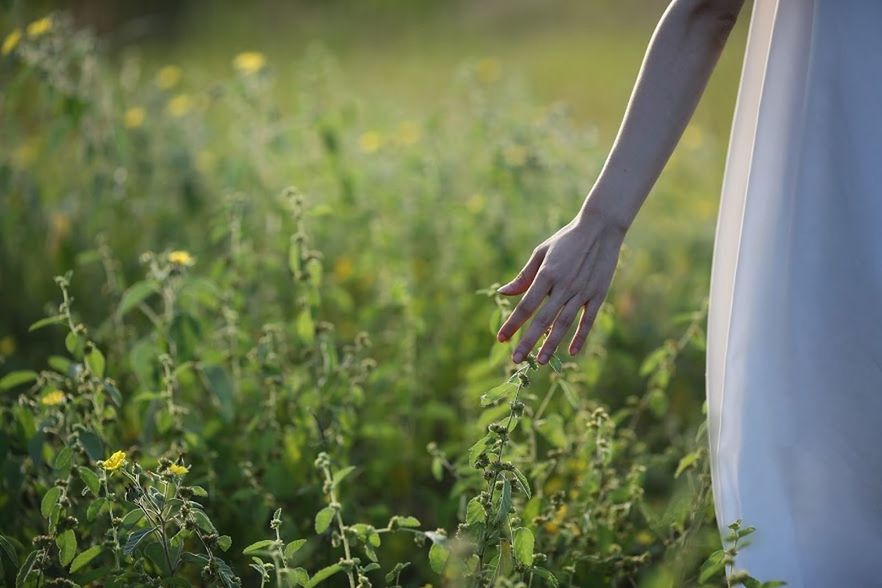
(574, 268)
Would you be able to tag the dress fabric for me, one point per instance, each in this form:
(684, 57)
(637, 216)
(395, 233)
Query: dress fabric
(794, 351)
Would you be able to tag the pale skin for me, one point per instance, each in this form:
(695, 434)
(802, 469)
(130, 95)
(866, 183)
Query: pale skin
(571, 270)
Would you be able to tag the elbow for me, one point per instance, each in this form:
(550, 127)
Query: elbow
(716, 18)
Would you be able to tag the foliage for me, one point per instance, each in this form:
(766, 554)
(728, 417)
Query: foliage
(230, 349)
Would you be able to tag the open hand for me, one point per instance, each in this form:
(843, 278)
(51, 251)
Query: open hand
(574, 268)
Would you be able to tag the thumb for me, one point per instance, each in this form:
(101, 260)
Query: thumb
(520, 284)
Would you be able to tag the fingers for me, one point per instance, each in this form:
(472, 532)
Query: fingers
(540, 324)
(585, 323)
(526, 275)
(529, 303)
(559, 328)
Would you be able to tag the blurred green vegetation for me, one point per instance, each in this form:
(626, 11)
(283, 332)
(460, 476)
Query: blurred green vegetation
(434, 144)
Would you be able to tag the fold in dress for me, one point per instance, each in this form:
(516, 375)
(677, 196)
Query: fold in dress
(794, 355)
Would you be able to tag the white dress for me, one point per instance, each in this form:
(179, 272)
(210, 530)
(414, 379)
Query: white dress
(794, 356)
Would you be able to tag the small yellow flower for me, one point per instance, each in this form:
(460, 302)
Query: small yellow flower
(179, 105)
(249, 62)
(134, 117)
(515, 155)
(178, 470)
(553, 526)
(11, 42)
(114, 462)
(370, 142)
(39, 27)
(168, 76)
(181, 258)
(409, 133)
(644, 538)
(53, 398)
(7, 345)
(488, 70)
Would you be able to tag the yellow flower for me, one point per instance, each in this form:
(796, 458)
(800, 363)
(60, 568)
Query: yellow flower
(39, 27)
(53, 398)
(7, 345)
(179, 105)
(114, 462)
(11, 42)
(409, 133)
(181, 258)
(515, 155)
(168, 77)
(644, 538)
(553, 526)
(370, 142)
(134, 117)
(488, 70)
(178, 470)
(249, 62)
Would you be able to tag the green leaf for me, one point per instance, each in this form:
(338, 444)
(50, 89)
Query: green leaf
(63, 459)
(13, 379)
(49, 500)
(67, 546)
(552, 428)
(323, 519)
(686, 462)
(92, 444)
(523, 482)
(94, 508)
(555, 364)
(712, 566)
(9, 550)
(478, 448)
(84, 558)
(95, 362)
(26, 569)
(293, 547)
(257, 546)
(550, 579)
(323, 574)
(411, 522)
(224, 542)
(475, 512)
(523, 545)
(569, 393)
(132, 517)
(504, 502)
(497, 393)
(135, 538)
(73, 343)
(135, 295)
(438, 554)
(305, 327)
(340, 474)
(45, 322)
(203, 522)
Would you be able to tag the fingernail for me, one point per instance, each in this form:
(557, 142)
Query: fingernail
(543, 358)
(518, 357)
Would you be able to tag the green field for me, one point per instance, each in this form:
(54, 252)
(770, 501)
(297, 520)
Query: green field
(258, 246)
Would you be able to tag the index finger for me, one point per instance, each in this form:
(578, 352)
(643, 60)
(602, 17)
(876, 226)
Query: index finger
(525, 308)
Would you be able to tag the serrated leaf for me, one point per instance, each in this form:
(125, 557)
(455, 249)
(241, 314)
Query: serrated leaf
(478, 448)
(550, 579)
(504, 502)
(84, 558)
(90, 479)
(523, 545)
(26, 569)
(135, 538)
(17, 378)
(224, 542)
(323, 519)
(323, 574)
(257, 546)
(523, 482)
(475, 512)
(498, 393)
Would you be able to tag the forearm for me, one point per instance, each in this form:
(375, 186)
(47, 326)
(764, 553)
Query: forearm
(681, 55)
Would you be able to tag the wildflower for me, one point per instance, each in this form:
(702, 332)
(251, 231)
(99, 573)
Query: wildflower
(134, 117)
(409, 133)
(114, 462)
(39, 27)
(53, 398)
(488, 70)
(370, 142)
(179, 105)
(515, 155)
(11, 42)
(177, 469)
(249, 62)
(182, 258)
(168, 77)
(7, 345)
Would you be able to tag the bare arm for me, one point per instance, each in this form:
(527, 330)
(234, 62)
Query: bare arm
(575, 266)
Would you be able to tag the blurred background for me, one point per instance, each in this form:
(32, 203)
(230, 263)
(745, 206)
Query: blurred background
(430, 146)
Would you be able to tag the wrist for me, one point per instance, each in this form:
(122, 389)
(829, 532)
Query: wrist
(598, 210)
